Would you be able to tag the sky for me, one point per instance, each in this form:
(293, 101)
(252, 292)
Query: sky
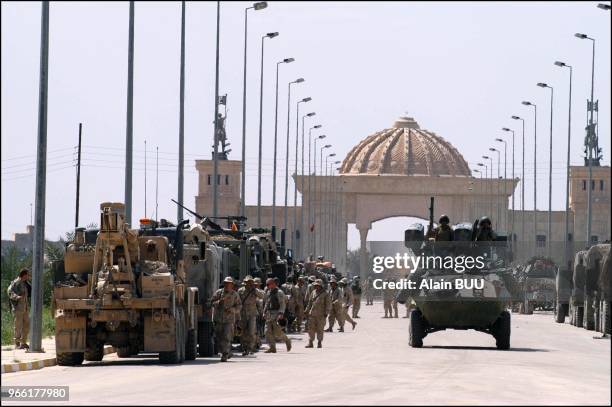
(461, 69)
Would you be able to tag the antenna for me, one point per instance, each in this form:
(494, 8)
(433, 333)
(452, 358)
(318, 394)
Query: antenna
(145, 176)
(78, 180)
(156, 180)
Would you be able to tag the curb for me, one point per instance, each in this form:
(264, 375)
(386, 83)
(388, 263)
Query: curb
(39, 364)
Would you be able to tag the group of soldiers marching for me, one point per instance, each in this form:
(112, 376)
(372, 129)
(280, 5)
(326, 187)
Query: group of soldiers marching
(272, 312)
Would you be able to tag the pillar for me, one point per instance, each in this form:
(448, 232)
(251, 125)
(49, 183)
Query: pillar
(363, 252)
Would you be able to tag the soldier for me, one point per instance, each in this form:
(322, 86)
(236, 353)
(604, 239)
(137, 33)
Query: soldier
(389, 302)
(292, 293)
(249, 295)
(485, 230)
(300, 302)
(335, 294)
(347, 297)
(261, 323)
(226, 303)
(319, 307)
(274, 309)
(356, 289)
(20, 306)
(369, 291)
(443, 232)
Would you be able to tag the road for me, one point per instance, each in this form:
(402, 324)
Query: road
(549, 363)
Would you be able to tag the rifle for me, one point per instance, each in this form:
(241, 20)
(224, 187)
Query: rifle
(204, 220)
(430, 227)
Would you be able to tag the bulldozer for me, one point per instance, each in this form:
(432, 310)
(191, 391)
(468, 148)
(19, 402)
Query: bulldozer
(129, 290)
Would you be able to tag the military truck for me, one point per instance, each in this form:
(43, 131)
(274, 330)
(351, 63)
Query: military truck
(441, 302)
(129, 290)
(537, 284)
(578, 285)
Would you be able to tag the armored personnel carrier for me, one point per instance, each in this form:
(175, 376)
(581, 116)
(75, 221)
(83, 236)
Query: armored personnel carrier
(464, 296)
(128, 290)
(537, 285)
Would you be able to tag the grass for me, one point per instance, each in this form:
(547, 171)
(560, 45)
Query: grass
(48, 325)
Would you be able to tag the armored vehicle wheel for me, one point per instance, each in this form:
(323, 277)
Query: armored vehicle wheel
(416, 329)
(94, 353)
(127, 351)
(191, 347)
(579, 318)
(501, 331)
(183, 334)
(205, 339)
(70, 358)
(174, 356)
(559, 314)
(605, 317)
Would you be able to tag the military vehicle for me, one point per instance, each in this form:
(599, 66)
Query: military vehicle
(441, 302)
(597, 288)
(577, 296)
(563, 292)
(537, 285)
(129, 291)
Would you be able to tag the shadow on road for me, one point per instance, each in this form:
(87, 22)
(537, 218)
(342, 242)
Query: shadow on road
(486, 348)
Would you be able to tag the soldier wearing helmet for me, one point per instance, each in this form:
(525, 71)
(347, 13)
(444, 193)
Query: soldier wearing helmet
(335, 294)
(319, 307)
(249, 295)
(443, 232)
(485, 230)
(356, 289)
(226, 304)
(275, 304)
(347, 302)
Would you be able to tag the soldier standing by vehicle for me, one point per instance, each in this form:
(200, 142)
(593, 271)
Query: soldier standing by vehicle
(319, 307)
(335, 294)
(369, 291)
(300, 302)
(389, 301)
(261, 323)
(485, 230)
(443, 232)
(226, 303)
(347, 297)
(356, 289)
(249, 295)
(274, 309)
(18, 292)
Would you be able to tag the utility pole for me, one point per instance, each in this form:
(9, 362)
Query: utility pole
(129, 140)
(181, 169)
(216, 138)
(156, 181)
(78, 180)
(41, 177)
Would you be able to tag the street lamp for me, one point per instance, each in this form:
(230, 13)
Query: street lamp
(315, 127)
(480, 191)
(603, 6)
(314, 213)
(286, 215)
(327, 208)
(268, 35)
(256, 6)
(591, 143)
(284, 61)
(490, 177)
(301, 229)
(320, 194)
(549, 229)
(535, 177)
(497, 203)
(499, 140)
(522, 176)
(566, 257)
(297, 139)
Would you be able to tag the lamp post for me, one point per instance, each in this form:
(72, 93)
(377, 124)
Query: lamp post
(491, 188)
(522, 176)
(320, 194)
(286, 215)
(591, 143)
(302, 208)
(256, 6)
(332, 209)
(566, 256)
(327, 208)
(216, 133)
(314, 211)
(284, 61)
(297, 141)
(497, 203)
(268, 35)
(318, 126)
(535, 172)
(480, 192)
(549, 228)
(603, 6)
(499, 140)
(486, 186)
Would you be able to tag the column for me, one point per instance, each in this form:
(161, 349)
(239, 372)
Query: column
(363, 253)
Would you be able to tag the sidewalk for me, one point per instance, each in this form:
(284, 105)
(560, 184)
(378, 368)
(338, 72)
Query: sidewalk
(18, 360)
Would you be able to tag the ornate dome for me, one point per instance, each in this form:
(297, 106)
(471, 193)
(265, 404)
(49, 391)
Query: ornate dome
(405, 149)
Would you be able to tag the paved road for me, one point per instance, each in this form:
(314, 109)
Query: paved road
(549, 363)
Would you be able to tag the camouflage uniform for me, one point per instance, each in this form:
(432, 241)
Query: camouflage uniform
(317, 310)
(335, 294)
(275, 304)
(356, 289)
(389, 303)
(248, 316)
(300, 299)
(347, 302)
(20, 304)
(369, 291)
(226, 307)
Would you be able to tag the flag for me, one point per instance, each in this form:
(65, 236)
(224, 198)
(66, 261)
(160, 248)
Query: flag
(312, 227)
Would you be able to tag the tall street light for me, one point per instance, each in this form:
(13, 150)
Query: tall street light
(535, 172)
(256, 6)
(284, 61)
(499, 140)
(295, 172)
(314, 230)
(480, 192)
(268, 35)
(320, 195)
(522, 176)
(327, 208)
(491, 178)
(603, 6)
(302, 207)
(591, 143)
(549, 229)
(498, 223)
(566, 256)
(286, 215)
(486, 186)
(318, 126)
(216, 134)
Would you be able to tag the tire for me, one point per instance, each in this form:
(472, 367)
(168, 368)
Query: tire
(206, 345)
(579, 318)
(191, 347)
(501, 331)
(127, 351)
(559, 314)
(589, 316)
(416, 330)
(70, 358)
(174, 356)
(183, 334)
(94, 353)
(605, 317)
